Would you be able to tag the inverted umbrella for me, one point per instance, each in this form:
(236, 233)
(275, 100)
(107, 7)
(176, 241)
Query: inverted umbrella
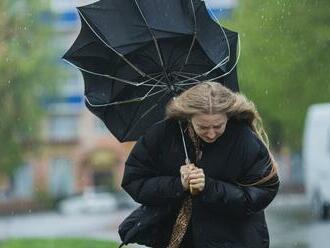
(135, 55)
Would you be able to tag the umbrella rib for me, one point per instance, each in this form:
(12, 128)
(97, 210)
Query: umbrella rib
(222, 62)
(223, 75)
(193, 39)
(150, 79)
(153, 76)
(146, 95)
(235, 64)
(186, 77)
(189, 78)
(223, 31)
(131, 128)
(154, 39)
(138, 99)
(225, 60)
(181, 88)
(233, 67)
(114, 50)
(187, 73)
(119, 79)
(192, 78)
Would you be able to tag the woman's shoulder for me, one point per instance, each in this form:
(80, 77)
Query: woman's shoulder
(240, 127)
(245, 135)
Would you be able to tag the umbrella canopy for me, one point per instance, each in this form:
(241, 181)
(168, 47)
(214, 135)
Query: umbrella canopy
(135, 55)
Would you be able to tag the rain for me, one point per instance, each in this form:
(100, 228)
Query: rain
(61, 166)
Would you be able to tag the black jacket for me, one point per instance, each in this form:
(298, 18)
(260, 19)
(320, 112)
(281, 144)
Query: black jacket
(225, 214)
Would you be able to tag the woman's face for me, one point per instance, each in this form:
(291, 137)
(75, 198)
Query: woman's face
(209, 127)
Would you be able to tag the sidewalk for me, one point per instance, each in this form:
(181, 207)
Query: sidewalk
(289, 201)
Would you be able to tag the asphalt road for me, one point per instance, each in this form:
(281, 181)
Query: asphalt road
(290, 223)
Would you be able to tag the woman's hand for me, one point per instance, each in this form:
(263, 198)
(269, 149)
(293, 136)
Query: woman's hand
(197, 180)
(185, 171)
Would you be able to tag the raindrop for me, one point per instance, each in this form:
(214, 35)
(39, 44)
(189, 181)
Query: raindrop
(9, 81)
(266, 92)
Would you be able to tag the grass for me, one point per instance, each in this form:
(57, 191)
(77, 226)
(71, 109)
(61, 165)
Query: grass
(57, 243)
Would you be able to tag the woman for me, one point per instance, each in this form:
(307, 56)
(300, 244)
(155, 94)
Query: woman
(218, 199)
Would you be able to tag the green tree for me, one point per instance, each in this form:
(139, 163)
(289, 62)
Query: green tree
(285, 61)
(28, 70)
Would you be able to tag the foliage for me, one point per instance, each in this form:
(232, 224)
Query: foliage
(284, 61)
(59, 243)
(28, 70)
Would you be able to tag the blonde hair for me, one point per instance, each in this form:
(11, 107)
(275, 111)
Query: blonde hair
(212, 98)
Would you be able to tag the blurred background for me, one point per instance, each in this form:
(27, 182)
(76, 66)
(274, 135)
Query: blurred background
(60, 168)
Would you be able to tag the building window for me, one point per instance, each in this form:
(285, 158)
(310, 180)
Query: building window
(61, 178)
(63, 128)
(23, 182)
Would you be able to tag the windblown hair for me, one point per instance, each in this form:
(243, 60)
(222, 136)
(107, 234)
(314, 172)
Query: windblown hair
(214, 98)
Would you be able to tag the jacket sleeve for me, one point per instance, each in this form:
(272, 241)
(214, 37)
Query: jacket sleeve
(142, 179)
(234, 197)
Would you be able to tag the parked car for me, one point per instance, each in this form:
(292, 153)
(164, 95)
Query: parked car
(90, 201)
(316, 159)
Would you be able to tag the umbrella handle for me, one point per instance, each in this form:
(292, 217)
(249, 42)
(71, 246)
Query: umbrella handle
(192, 191)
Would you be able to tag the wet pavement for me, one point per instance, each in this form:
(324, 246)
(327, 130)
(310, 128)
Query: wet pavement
(290, 223)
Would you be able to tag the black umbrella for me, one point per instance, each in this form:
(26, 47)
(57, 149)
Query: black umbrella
(135, 55)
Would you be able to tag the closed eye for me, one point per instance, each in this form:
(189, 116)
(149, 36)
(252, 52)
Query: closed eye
(206, 128)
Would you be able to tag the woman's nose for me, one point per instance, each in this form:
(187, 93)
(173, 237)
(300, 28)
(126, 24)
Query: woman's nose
(211, 134)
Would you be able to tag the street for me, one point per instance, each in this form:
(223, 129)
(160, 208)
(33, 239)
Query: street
(290, 224)
(54, 224)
